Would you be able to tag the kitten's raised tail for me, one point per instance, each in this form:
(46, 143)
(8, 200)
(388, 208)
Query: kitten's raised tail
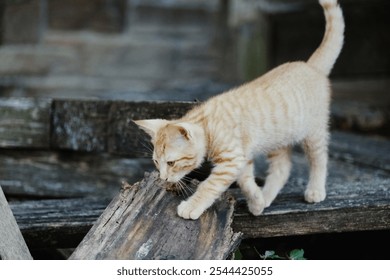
(325, 56)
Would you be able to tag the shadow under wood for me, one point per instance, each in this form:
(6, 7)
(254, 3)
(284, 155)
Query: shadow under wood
(141, 223)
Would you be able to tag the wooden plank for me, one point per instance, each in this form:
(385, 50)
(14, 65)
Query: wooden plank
(358, 199)
(105, 126)
(99, 126)
(12, 245)
(348, 207)
(25, 122)
(125, 137)
(59, 223)
(80, 125)
(361, 150)
(65, 222)
(141, 223)
(48, 174)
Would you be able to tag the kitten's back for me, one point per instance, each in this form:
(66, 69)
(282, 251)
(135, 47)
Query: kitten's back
(277, 109)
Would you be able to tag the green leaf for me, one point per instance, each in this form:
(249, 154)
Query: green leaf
(297, 254)
(238, 255)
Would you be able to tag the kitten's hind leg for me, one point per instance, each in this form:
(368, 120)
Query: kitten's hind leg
(316, 148)
(252, 192)
(278, 173)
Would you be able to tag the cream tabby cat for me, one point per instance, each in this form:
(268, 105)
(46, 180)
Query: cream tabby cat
(289, 104)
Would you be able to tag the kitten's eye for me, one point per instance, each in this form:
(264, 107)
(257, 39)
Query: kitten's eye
(171, 163)
(155, 162)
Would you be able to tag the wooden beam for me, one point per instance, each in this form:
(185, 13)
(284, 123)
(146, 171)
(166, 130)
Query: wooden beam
(125, 138)
(12, 245)
(58, 223)
(350, 207)
(80, 125)
(100, 126)
(59, 174)
(141, 223)
(25, 122)
(105, 126)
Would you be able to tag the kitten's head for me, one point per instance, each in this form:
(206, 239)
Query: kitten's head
(179, 147)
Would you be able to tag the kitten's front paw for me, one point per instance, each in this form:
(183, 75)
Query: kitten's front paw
(256, 203)
(313, 196)
(268, 197)
(187, 210)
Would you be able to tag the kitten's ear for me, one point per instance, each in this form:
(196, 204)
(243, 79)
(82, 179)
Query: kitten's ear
(184, 130)
(151, 126)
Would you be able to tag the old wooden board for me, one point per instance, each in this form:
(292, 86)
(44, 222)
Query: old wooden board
(358, 200)
(80, 126)
(105, 126)
(58, 223)
(141, 223)
(58, 174)
(361, 150)
(100, 126)
(25, 122)
(12, 245)
(125, 137)
(348, 207)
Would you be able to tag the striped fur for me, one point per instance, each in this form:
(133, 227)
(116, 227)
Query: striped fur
(288, 105)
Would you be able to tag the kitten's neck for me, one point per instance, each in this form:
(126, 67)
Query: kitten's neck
(199, 137)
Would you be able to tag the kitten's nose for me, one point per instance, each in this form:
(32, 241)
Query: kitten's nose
(163, 177)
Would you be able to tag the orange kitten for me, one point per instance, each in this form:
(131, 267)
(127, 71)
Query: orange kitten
(289, 104)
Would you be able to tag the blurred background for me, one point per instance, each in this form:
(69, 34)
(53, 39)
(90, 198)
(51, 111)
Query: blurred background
(188, 49)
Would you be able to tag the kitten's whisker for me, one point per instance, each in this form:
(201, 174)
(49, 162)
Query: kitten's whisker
(147, 146)
(189, 187)
(186, 179)
(182, 189)
(186, 191)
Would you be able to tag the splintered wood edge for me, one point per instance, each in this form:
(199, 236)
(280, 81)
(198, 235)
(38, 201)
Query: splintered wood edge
(234, 238)
(89, 248)
(126, 186)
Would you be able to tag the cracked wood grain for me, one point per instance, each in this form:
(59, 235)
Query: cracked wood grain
(141, 223)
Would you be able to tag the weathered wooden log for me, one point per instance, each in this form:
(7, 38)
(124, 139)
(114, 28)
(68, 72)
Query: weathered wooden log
(141, 223)
(12, 245)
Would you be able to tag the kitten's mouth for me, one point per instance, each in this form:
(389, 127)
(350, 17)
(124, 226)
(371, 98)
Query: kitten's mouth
(181, 188)
(171, 187)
